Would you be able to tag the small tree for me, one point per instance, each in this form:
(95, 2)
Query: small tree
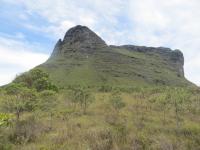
(18, 99)
(36, 79)
(47, 102)
(82, 97)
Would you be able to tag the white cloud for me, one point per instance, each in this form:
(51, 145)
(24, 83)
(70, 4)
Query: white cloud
(193, 69)
(63, 14)
(6, 78)
(15, 58)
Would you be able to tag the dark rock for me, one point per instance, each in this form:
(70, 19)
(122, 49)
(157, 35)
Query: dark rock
(79, 38)
(178, 59)
(57, 47)
(174, 57)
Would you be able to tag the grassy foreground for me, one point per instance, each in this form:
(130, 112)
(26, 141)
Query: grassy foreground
(159, 118)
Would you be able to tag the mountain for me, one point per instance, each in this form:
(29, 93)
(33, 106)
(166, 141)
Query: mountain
(118, 105)
(83, 58)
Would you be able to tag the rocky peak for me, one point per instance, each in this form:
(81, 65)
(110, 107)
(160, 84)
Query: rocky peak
(79, 38)
(83, 36)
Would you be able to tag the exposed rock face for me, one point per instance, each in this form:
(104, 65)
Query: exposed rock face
(177, 57)
(174, 57)
(79, 38)
(57, 48)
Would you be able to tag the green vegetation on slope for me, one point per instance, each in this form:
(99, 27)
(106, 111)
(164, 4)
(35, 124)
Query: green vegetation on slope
(108, 118)
(112, 66)
(91, 96)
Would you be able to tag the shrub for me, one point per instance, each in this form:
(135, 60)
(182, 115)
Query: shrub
(120, 133)
(26, 130)
(5, 119)
(99, 139)
(116, 101)
(5, 144)
(105, 88)
(82, 97)
(37, 79)
(18, 99)
(47, 102)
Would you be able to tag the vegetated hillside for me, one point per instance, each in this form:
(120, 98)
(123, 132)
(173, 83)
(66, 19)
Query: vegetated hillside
(113, 98)
(83, 58)
(159, 118)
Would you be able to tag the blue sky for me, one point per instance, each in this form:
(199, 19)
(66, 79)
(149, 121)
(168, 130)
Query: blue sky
(29, 29)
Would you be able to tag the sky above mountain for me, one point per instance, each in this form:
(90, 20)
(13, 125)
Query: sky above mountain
(29, 29)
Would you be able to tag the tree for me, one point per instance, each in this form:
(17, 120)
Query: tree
(87, 99)
(18, 99)
(41, 84)
(47, 100)
(36, 79)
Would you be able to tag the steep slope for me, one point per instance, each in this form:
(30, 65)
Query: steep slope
(83, 58)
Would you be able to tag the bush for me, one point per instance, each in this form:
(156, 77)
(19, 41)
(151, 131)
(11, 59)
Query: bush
(37, 79)
(81, 96)
(116, 101)
(5, 119)
(26, 131)
(105, 88)
(99, 139)
(47, 100)
(18, 99)
(5, 143)
(120, 133)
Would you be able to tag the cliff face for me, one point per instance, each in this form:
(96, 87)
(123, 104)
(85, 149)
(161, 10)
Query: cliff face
(174, 57)
(79, 38)
(83, 57)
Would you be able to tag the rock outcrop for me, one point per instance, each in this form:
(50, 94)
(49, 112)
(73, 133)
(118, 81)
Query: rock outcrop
(174, 57)
(79, 38)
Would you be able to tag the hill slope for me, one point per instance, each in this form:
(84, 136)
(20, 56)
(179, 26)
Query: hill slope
(36, 115)
(83, 58)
